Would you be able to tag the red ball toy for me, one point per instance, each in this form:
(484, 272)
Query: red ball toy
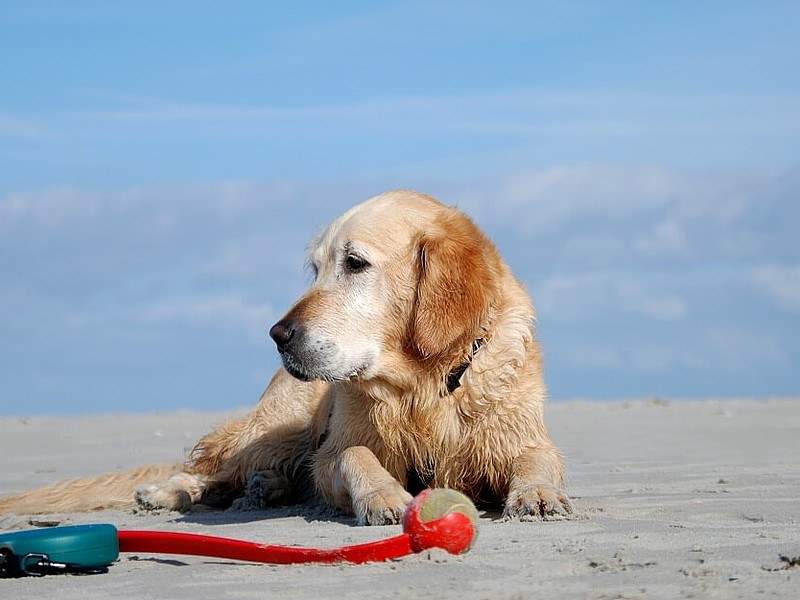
(441, 518)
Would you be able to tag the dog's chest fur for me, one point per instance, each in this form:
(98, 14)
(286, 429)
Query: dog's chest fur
(464, 440)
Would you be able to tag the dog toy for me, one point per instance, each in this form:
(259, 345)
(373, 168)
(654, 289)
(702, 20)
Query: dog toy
(439, 518)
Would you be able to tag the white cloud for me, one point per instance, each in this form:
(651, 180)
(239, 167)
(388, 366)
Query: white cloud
(230, 313)
(592, 195)
(653, 356)
(657, 304)
(606, 217)
(19, 127)
(780, 283)
(725, 349)
(602, 295)
(49, 209)
(664, 239)
(519, 112)
(632, 269)
(562, 194)
(572, 298)
(733, 348)
(595, 355)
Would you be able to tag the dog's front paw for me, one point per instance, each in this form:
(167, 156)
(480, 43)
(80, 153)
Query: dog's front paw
(264, 489)
(539, 501)
(383, 506)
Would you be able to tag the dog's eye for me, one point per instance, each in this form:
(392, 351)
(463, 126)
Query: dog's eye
(355, 263)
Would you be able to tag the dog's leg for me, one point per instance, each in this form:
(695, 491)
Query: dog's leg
(180, 492)
(275, 438)
(263, 489)
(224, 461)
(355, 481)
(537, 485)
(220, 461)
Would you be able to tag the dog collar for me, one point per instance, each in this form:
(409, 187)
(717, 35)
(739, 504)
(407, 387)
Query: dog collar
(454, 376)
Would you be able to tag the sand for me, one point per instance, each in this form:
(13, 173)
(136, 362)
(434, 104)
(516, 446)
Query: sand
(673, 499)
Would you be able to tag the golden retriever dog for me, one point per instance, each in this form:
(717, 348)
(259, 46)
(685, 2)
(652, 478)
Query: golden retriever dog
(411, 361)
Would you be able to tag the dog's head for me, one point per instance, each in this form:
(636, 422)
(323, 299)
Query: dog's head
(398, 279)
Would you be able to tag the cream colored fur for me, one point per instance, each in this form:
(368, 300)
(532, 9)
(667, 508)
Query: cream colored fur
(403, 288)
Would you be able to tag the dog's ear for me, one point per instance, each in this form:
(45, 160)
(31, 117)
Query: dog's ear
(457, 271)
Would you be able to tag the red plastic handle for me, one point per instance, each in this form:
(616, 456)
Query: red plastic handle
(167, 542)
(453, 531)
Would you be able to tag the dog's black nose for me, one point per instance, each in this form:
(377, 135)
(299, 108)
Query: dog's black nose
(282, 333)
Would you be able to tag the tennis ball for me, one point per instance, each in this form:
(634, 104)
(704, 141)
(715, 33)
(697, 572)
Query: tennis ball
(441, 501)
(441, 518)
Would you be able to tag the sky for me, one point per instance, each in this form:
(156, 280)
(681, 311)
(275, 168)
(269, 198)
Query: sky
(163, 165)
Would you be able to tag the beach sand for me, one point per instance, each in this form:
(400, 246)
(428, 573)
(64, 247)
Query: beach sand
(673, 499)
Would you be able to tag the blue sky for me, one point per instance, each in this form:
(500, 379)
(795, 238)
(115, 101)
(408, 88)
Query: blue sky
(163, 164)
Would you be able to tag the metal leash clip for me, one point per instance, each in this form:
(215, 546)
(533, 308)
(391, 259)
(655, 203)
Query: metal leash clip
(39, 565)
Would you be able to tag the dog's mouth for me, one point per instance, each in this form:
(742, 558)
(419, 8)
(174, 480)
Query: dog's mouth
(299, 370)
(294, 367)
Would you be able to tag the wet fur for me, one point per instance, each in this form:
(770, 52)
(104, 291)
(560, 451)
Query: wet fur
(367, 413)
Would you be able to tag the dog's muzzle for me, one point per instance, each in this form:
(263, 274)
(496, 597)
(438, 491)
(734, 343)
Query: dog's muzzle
(286, 334)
